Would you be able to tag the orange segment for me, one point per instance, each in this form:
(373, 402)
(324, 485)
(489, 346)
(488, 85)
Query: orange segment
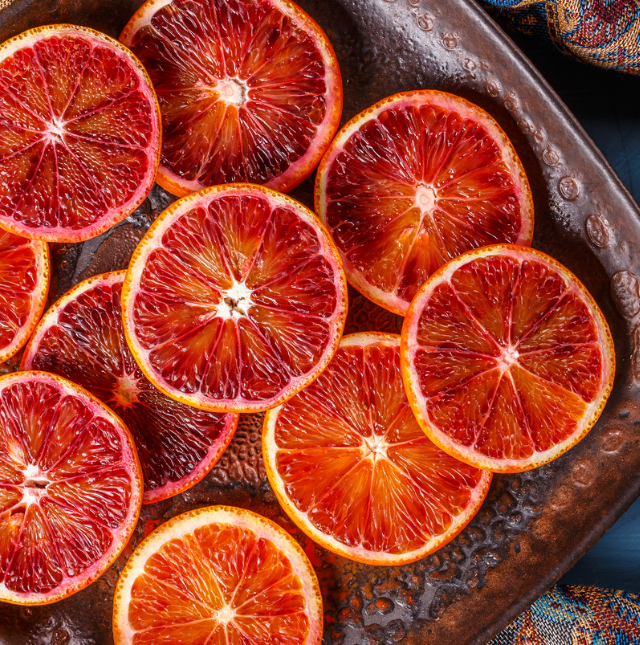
(250, 90)
(507, 360)
(79, 133)
(24, 285)
(414, 181)
(350, 465)
(216, 576)
(70, 488)
(81, 338)
(234, 300)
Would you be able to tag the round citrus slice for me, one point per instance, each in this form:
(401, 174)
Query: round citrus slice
(506, 358)
(79, 133)
(81, 338)
(235, 299)
(70, 488)
(250, 90)
(352, 468)
(24, 285)
(216, 576)
(414, 181)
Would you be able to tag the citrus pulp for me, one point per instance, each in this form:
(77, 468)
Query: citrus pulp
(507, 359)
(250, 90)
(81, 338)
(79, 133)
(70, 488)
(416, 180)
(352, 468)
(216, 576)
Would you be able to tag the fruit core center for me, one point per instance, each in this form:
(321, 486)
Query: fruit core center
(34, 485)
(55, 131)
(426, 197)
(126, 393)
(225, 615)
(232, 91)
(235, 301)
(509, 356)
(375, 447)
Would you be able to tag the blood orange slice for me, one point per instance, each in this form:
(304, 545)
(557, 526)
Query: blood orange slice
(79, 133)
(250, 90)
(70, 488)
(416, 180)
(350, 465)
(506, 358)
(24, 285)
(235, 299)
(216, 576)
(81, 338)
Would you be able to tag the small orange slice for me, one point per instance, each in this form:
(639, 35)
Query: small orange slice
(79, 133)
(70, 488)
(414, 181)
(350, 465)
(24, 285)
(250, 90)
(218, 576)
(506, 358)
(234, 300)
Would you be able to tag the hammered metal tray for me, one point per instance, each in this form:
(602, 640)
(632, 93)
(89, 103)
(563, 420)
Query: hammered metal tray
(534, 526)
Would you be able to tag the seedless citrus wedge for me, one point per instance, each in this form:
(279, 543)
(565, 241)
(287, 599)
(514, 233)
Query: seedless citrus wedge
(70, 488)
(506, 358)
(235, 299)
(414, 181)
(81, 338)
(216, 576)
(24, 285)
(79, 133)
(350, 465)
(250, 90)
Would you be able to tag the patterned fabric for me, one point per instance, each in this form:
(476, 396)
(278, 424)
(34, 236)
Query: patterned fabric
(577, 616)
(602, 32)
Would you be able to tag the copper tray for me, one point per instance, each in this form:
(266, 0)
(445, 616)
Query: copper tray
(533, 527)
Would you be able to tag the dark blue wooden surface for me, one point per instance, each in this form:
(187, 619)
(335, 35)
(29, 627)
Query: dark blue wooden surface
(608, 106)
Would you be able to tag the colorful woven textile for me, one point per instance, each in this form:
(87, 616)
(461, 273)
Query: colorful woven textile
(602, 32)
(568, 615)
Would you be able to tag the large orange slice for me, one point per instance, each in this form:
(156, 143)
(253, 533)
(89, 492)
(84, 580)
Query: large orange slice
(70, 488)
(352, 468)
(414, 181)
(507, 360)
(24, 285)
(235, 299)
(81, 338)
(218, 576)
(79, 133)
(250, 90)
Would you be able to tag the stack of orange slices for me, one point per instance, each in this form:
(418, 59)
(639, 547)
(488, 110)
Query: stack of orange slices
(379, 447)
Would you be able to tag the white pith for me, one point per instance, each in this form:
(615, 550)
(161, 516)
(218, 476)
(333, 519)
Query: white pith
(184, 525)
(508, 358)
(426, 197)
(233, 91)
(235, 302)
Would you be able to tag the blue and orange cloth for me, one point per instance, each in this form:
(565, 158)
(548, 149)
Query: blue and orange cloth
(571, 615)
(602, 32)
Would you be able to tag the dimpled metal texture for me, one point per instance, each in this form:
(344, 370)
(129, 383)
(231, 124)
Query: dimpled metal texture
(533, 526)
